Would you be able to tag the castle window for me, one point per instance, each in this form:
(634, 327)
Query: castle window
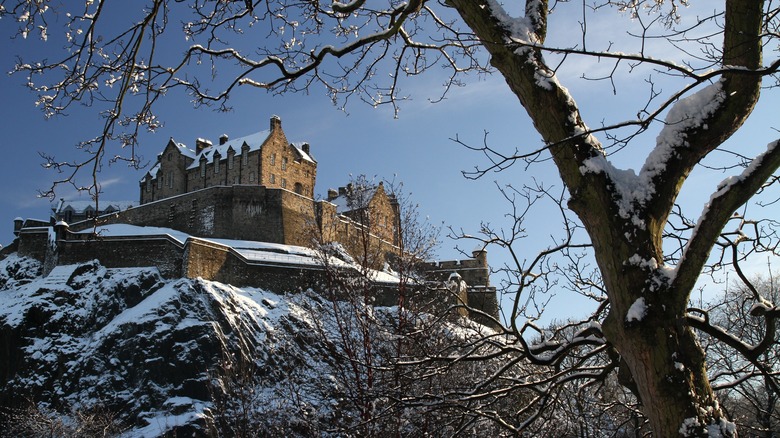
(273, 159)
(298, 188)
(245, 156)
(216, 165)
(251, 176)
(169, 157)
(230, 160)
(170, 179)
(284, 163)
(203, 168)
(284, 183)
(160, 181)
(148, 185)
(273, 179)
(235, 180)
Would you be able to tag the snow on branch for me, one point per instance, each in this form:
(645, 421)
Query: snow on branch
(730, 194)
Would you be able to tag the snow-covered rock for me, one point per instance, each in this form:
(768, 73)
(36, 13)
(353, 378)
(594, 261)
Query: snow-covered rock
(184, 356)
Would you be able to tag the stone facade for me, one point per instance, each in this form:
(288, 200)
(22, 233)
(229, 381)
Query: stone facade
(262, 159)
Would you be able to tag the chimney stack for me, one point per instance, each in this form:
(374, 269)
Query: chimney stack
(223, 139)
(332, 194)
(276, 122)
(201, 144)
(305, 148)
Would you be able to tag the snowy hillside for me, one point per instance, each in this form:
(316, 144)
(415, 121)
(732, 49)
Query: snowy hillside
(190, 356)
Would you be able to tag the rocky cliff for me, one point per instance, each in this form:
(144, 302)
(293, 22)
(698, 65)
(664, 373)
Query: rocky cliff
(184, 357)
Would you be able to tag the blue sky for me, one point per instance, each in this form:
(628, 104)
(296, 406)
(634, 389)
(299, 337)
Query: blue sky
(415, 148)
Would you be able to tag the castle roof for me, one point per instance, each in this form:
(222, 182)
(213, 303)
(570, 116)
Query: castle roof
(187, 152)
(152, 173)
(304, 156)
(253, 141)
(82, 206)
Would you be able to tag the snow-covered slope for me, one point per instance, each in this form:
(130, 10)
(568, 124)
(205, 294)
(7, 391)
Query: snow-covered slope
(190, 356)
(127, 341)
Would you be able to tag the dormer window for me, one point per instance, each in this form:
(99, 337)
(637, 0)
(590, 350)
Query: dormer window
(231, 158)
(203, 168)
(245, 156)
(216, 165)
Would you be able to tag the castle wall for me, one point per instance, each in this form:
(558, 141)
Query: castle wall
(200, 258)
(236, 212)
(219, 263)
(474, 271)
(483, 299)
(299, 223)
(34, 242)
(162, 252)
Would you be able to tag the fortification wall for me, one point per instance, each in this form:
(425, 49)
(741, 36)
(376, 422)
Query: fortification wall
(34, 242)
(474, 271)
(220, 263)
(483, 299)
(162, 252)
(200, 258)
(299, 222)
(235, 212)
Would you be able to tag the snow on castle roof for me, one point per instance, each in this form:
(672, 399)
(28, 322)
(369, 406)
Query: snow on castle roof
(81, 206)
(254, 141)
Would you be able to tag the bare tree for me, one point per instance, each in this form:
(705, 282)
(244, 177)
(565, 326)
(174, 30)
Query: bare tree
(713, 66)
(750, 388)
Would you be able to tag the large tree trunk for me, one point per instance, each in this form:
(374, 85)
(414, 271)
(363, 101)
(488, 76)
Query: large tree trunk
(646, 322)
(666, 366)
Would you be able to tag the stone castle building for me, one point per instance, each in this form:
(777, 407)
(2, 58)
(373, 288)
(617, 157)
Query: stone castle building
(263, 159)
(204, 211)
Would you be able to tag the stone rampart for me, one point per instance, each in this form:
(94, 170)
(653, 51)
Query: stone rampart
(474, 271)
(162, 251)
(221, 263)
(229, 212)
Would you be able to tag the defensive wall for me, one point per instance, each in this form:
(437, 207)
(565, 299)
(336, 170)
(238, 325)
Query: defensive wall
(201, 258)
(247, 212)
(251, 213)
(229, 212)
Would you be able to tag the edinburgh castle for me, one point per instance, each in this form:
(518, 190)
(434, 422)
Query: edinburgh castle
(242, 212)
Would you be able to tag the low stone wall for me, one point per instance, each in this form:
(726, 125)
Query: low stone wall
(221, 263)
(162, 252)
